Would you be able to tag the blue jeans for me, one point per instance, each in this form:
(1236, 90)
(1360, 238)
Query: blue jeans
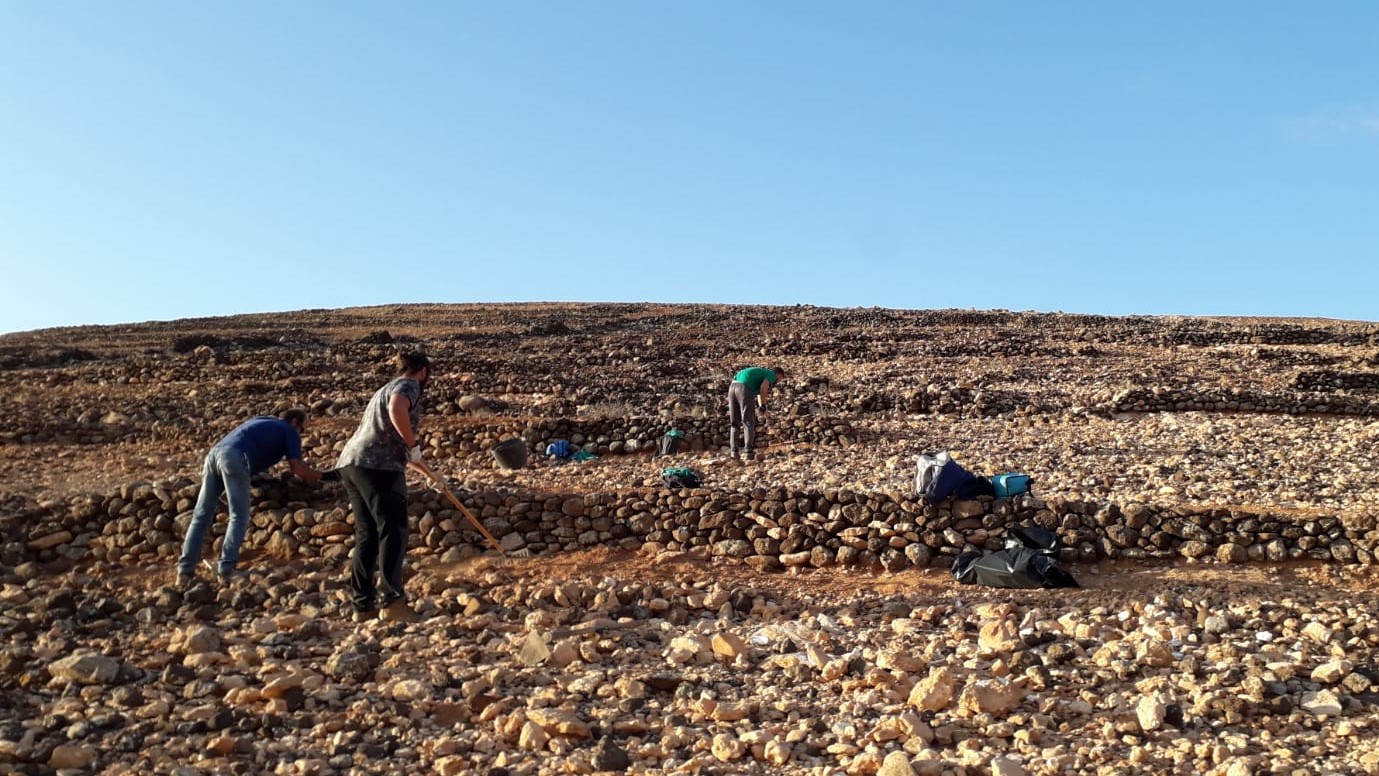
(226, 471)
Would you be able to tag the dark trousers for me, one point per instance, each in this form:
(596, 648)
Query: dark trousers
(742, 410)
(378, 499)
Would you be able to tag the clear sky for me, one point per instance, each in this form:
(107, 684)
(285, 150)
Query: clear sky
(173, 159)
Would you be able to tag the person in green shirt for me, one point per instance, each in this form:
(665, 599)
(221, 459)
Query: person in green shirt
(746, 398)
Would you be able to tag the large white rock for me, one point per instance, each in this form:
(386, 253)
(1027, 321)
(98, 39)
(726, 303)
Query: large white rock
(935, 691)
(1150, 712)
(85, 668)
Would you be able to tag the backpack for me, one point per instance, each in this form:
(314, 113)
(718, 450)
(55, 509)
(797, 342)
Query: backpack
(560, 448)
(938, 476)
(1011, 484)
(670, 442)
(1026, 562)
(680, 477)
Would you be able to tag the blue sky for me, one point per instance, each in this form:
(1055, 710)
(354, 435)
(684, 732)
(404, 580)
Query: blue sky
(162, 160)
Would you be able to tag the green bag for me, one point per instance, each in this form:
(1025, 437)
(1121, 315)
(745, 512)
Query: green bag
(680, 477)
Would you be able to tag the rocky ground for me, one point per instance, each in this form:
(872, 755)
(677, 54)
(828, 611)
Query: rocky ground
(1210, 476)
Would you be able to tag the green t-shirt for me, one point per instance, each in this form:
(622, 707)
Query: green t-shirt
(753, 377)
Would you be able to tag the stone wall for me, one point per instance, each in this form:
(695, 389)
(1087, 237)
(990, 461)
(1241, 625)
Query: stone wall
(1232, 400)
(614, 436)
(1316, 392)
(1331, 380)
(768, 528)
(602, 436)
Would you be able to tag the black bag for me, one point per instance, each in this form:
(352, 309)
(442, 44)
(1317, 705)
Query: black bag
(977, 486)
(1026, 562)
(670, 442)
(938, 477)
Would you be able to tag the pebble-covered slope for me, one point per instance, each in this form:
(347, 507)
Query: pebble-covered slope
(649, 633)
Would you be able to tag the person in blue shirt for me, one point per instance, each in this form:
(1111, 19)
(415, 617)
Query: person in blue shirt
(254, 446)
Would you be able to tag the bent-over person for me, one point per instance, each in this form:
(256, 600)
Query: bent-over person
(746, 400)
(252, 447)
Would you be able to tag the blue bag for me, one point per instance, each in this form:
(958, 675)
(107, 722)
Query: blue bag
(1011, 484)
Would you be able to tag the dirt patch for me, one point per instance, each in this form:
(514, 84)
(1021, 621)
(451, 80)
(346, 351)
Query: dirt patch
(834, 586)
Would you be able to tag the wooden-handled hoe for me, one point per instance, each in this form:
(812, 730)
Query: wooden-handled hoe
(440, 486)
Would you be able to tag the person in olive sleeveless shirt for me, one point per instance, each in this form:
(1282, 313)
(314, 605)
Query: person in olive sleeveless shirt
(373, 467)
(746, 399)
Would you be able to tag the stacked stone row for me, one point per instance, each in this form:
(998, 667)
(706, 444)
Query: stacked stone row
(768, 528)
(612, 436)
(1330, 380)
(1200, 335)
(1183, 400)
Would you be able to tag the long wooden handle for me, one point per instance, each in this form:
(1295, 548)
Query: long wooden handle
(451, 496)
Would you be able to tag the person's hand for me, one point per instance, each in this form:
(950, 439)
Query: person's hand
(414, 454)
(331, 475)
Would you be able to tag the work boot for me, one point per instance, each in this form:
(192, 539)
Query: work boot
(185, 579)
(231, 578)
(398, 611)
(751, 455)
(356, 611)
(736, 455)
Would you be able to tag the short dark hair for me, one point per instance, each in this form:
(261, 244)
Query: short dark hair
(411, 361)
(780, 373)
(296, 413)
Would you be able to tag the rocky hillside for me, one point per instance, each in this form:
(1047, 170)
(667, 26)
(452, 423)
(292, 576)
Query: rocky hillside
(1209, 478)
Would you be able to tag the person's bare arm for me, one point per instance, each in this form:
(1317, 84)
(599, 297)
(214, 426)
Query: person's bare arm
(398, 407)
(761, 394)
(303, 471)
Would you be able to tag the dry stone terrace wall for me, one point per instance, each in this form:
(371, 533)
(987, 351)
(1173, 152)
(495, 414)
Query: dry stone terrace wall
(550, 364)
(616, 436)
(769, 528)
(1329, 380)
(68, 421)
(1177, 400)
